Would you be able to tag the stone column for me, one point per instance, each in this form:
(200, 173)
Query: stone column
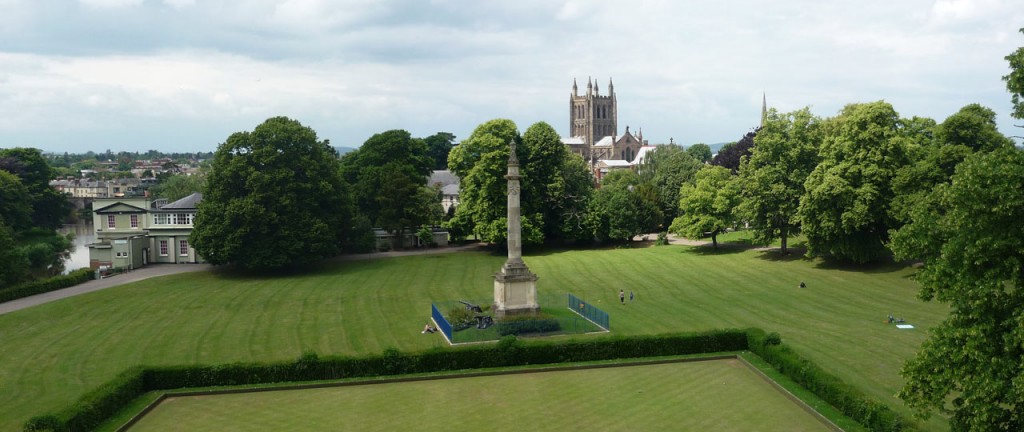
(515, 287)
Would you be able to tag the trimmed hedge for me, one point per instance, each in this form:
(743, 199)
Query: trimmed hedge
(847, 399)
(100, 404)
(46, 285)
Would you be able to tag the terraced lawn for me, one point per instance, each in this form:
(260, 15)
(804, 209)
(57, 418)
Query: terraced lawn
(54, 352)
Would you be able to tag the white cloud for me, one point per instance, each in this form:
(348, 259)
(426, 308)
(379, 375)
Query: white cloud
(180, 4)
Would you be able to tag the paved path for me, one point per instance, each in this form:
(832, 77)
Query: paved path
(155, 270)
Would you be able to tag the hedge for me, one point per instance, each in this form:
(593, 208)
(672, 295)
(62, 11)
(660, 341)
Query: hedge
(46, 285)
(100, 404)
(847, 399)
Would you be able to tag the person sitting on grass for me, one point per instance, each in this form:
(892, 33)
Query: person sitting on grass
(428, 329)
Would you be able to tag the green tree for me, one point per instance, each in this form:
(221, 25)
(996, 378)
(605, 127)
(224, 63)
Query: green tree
(773, 177)
(275, 198)
(729, 155)
(15, 207)
(1015, 81)
(388, 174)
(624, 207)
(972, 129)
(481, 162)
(13, 263)
(701, 152)
(667, 168)
(708, 205)
(972, 244)
(438, 147)
(49, 207)
(556, 185)
(177, 186)
(845, 211)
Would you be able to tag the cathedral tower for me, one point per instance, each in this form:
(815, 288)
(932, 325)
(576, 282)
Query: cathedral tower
(592, 116)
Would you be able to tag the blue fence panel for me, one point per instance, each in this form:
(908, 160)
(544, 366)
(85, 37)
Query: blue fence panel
(589, 311)
(442, 323)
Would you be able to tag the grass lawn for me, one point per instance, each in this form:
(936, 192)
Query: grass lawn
(54, 352)
(706, 395)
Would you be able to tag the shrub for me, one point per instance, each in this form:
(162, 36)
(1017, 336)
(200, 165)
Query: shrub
(662, 239)
(460, 318)
(850, 401)
(526, 325)
(46, 285)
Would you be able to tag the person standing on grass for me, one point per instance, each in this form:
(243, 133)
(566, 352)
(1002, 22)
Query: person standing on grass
(622, 297)
(631, 296)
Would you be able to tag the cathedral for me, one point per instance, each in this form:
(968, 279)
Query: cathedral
(593, 127)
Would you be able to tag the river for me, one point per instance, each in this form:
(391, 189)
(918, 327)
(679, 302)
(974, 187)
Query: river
(84, 234)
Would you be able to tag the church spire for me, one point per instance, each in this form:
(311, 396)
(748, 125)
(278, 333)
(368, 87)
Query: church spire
(574, 91)
(611, 87)
(764, 109)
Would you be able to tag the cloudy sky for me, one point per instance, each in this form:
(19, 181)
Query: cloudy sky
(182, 75)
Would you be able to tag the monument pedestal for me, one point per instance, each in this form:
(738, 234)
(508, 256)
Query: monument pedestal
(515, 289)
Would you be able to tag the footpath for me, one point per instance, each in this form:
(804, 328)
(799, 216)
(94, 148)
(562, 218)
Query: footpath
(157, 270)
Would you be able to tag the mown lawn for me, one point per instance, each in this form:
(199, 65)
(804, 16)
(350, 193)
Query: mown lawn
(55, 352)
(720, 395)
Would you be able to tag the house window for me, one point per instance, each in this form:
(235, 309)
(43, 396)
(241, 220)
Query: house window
(161, 219)
(163, 247)
(135, 221)
(183, 218)
(110, 221)
(183, 247)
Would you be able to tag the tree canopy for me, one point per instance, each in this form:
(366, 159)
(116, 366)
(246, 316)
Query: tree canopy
(388, 174)
(1015, 81)
(845, 210)
(667, 168)
(275, 199)
(972, 244)
(49, 207)
(176, 187)
(708, 205)
(624, 207)
(701, 152)
(773, 177)
(729, 155)
(438, 147)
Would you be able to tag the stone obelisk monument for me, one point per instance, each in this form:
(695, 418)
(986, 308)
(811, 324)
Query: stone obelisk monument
(515, 287)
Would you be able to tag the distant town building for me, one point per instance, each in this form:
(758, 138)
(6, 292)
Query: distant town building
(448, 182)
(593, 129)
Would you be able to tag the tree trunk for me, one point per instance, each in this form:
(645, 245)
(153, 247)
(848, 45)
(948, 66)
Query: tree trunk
(785, 234)
(714, 239)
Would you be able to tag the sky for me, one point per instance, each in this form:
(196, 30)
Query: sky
(182, 75)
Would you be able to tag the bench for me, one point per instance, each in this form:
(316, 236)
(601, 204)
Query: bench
(471, 307)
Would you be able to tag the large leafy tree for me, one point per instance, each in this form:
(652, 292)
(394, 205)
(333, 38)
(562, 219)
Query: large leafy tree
(708, 205)
(729, 155)
(972, 129)
(845, 210)
(972, 244)
(178, 186)
(388, 174)
(773, 177)
(438, 147)
(1015, 81)
(275, 198)
(667, 168)
(13, 262)
(556, 184)
(701, 152)
(625, 206)
(49, 207)
(15, 208)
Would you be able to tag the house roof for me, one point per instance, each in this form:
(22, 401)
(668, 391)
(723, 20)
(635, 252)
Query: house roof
(642, 154)
(120, 207)
(443, 178)
(187, 203)
(614, 163)
(572, 140)
(605, 142)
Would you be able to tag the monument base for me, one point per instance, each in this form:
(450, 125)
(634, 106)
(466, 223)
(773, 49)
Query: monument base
(515, 290)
